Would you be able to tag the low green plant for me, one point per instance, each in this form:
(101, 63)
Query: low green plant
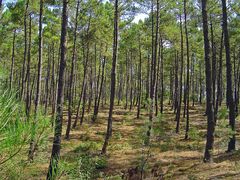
(16, 132)
(118, 135)
(223, 130)
(85, 168)
(88, 146)
(158, 128)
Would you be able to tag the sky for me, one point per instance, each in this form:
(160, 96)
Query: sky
(138, 17)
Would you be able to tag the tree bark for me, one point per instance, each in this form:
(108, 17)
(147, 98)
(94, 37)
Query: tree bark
(208, 72)
(13, 60)
(47, 81)
(70, 96)
(139, 78)
(38, 90)
(176, 92)
(27, 79)
(162, 77)
(96, 107)
(188, 62)
(58, 121)
(219, 79)
(25, 50)
(180, 81)
(230, 99)
(113, 78)
(153, 69)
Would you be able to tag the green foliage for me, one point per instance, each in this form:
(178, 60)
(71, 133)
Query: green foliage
(118, 135)
(159, 124)
(194, 134)
(222, 113)
(223, 130)
(86, 167)
(195, 137)
(14, 131)
(119, 147)
(88, 146)
(15, 135)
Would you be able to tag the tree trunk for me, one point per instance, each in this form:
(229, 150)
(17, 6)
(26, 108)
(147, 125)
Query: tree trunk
(85, 59)
(210, 109)
(113, 76)
(59, 118)
(188, 62)
(180, 82)
(230, 99)
(219, 79)
(176, 83)
(213, 64)
(162, 77)
(39, 76)
(25, 50)
(153, 69)
(53, 84)
(70, 96)
(139, 78)
(47, 82)
(27, 79)
(13, 59)
(96, 107)
(83, 104)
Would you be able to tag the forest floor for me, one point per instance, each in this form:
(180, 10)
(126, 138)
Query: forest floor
(169, 156)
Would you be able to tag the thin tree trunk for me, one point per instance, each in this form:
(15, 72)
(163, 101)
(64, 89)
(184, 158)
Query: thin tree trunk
(25, 50)
(180, 81)
(83, 104)
(188, 62)
(162, 77)
(213, 64)
(147, 81)
(153, 69)
(96, 107)
(58, 122)
(230, 99)
(127, 81)
(53, 84)
(210, 109)
(27, 79)
(193, 82)
(13, 59)
(47, 82)
(84, 73)
(176, 83)
(158, 79)
(70, 96)
(219, 79)
(139, 78)
(131, 80)
(113, 76)
(235, 83)
(38, 90)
